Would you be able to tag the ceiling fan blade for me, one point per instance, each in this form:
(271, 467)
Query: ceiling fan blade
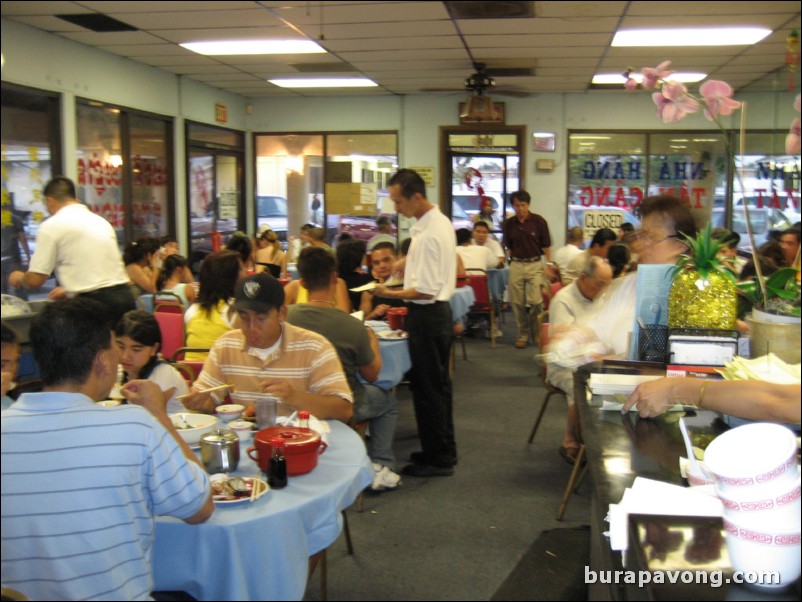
(512, 92)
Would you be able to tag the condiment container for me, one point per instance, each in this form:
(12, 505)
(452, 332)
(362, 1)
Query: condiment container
(220, 450)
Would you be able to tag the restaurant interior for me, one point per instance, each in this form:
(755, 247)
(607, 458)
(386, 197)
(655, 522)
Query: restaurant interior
(164, 137)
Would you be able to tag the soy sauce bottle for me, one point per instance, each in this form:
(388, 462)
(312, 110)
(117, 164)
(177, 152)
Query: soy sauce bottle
(303, 419)
(277, 467)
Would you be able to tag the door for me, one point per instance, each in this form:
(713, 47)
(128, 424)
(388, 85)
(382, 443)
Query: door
(480, 187)
(215, 200)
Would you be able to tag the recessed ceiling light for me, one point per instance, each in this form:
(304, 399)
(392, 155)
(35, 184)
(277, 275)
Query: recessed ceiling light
(239, 47)
(358, 82)
(709, 36)
(619, 79)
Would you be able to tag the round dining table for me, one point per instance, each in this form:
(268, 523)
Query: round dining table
(260, 550)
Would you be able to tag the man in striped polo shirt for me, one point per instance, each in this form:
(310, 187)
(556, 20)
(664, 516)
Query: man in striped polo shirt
(268, 357)
(82, 483)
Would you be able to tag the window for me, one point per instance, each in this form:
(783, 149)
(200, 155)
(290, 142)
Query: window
(124, 169)
(30, 156)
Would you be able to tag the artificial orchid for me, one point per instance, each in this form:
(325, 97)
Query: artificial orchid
(652, 76)
(716, 97)
(673, 102)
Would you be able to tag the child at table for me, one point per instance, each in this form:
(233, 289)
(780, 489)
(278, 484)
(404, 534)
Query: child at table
(138, 342)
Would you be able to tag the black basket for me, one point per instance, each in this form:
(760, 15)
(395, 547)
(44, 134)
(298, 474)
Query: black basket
(653, 343)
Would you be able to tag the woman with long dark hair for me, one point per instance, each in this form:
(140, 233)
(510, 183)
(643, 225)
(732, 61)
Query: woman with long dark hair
(173, 279)
(208, 317)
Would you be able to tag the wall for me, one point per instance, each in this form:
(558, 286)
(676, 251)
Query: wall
(41, 60)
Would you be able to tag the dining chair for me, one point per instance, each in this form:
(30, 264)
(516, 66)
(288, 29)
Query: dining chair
(550, 388)
(167, 302)
(483, 305)
(172, 329)
(145, 302)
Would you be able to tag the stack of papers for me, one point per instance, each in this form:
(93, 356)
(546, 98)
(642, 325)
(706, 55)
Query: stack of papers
(617, 384)
(657, 498)
(769, 368)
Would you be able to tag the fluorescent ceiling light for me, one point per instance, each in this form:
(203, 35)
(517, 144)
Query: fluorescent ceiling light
(702, 36)
(239, 47)
(356, 82)
(609, 79)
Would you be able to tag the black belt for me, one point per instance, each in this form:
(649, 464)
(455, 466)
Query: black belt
(526, 259)
(112, 288)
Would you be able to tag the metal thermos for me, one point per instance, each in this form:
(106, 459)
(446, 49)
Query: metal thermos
(220, 451)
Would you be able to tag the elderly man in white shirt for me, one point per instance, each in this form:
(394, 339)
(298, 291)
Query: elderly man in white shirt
(572, 248)
(429, 282)
(570, 346)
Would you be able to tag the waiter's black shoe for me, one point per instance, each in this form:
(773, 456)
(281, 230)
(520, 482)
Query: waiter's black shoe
(427, 470)
(418, 458)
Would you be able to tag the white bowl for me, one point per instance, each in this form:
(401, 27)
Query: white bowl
(763, 551)
(774, 508)
(243, 428)
(199, 424)
(229, 411)
(109, 403)
(752, 455)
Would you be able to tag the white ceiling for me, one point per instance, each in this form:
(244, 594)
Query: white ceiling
(412, 47)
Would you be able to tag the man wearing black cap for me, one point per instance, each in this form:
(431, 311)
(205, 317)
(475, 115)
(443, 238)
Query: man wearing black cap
(267, 357)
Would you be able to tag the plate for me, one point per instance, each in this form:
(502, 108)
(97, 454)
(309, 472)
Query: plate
(612, 384)
(228, 500)
(392, 335)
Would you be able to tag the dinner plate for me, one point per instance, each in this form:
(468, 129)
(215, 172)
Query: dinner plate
(228, 500)
(392, 335)
(612, 384)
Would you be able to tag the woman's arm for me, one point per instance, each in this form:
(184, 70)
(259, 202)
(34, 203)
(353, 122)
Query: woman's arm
(140, 277)
(750, 399)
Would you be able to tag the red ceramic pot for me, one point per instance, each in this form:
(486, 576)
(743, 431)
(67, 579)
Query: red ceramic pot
(301, 448)
(397, 318)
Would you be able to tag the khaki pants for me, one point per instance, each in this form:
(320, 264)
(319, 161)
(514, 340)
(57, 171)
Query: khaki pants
(524, 287)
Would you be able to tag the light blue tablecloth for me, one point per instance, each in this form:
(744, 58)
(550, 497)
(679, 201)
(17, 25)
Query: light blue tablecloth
(461, 302)
(497, 281)
(261, 550)
(395, 357)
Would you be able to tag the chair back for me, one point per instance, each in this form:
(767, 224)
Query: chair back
(145, 302)
(186, 371)
(172, 329)
(477, 280)
(167, 302)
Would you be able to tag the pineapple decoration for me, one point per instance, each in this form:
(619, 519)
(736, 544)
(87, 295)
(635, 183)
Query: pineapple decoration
(703, 293)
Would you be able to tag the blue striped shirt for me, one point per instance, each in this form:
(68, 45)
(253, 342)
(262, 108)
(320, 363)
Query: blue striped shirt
(81, 485)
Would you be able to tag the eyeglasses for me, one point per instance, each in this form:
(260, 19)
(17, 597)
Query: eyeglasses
(651, 237)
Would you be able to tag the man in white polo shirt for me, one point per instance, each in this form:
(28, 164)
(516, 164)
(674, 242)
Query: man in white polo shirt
(429, 281)
(82, 248)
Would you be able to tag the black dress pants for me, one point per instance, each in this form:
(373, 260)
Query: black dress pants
(430, 336)
(116, 300)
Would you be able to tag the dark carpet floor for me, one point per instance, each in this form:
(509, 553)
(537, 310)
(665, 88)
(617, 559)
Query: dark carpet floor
(553, 568)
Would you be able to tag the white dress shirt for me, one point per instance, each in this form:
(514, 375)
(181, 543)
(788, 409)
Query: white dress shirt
(431, 266)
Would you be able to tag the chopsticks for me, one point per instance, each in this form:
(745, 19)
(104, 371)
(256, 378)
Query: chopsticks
(256, 483)
(206, 391)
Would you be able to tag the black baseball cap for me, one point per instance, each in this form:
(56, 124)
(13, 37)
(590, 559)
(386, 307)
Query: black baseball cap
(260, 293)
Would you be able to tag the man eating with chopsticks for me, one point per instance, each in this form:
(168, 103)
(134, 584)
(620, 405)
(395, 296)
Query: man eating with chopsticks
(269, 358)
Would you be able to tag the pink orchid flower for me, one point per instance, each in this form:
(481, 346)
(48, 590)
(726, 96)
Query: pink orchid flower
(673, 102)
(793, 141)
(631, 85)
(716, 97)
(652, 76)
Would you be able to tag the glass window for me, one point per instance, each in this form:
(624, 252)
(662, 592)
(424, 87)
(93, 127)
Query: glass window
(29, 146)
(149, 186)
(342, 190)
(100, 162)
(606, 180)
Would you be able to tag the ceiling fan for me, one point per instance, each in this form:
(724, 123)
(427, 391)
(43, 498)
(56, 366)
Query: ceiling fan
(480, 106)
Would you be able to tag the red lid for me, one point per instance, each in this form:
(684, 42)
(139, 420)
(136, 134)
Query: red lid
(303, 415)
(277, 441)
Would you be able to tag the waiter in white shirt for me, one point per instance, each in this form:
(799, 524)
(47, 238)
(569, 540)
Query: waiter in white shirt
(429, 281)
(82, 248)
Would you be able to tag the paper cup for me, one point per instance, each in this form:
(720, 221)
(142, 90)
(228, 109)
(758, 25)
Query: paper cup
(761, 551)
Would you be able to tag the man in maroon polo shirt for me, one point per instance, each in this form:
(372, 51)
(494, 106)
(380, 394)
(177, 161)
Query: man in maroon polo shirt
(526, 236)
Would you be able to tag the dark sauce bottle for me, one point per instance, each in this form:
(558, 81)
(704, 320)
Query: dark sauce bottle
(277, 467)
